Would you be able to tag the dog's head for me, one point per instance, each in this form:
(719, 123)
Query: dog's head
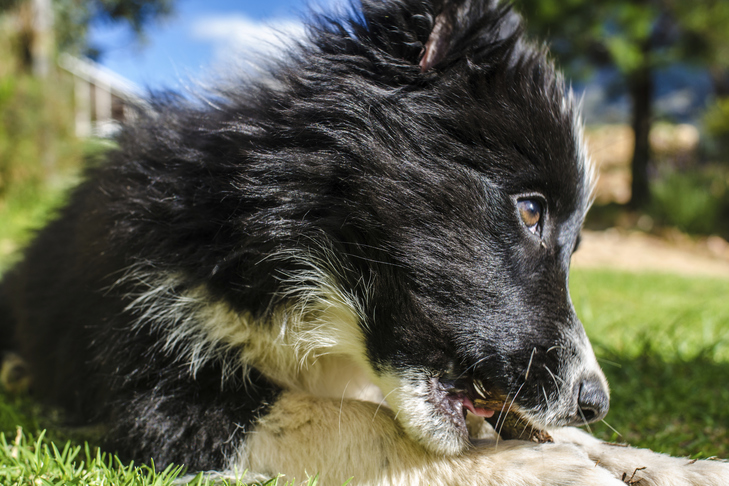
(460, 152)
(430, 161)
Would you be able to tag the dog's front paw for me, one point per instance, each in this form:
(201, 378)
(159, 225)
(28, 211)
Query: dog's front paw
(644, 467)
(647, 468)
(523, 463)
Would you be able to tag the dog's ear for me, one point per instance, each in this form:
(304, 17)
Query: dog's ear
(474, 29)
(433, 33)
(441, 35)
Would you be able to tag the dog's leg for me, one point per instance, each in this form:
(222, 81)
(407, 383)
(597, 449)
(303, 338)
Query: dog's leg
(302, 436)
(644, 467)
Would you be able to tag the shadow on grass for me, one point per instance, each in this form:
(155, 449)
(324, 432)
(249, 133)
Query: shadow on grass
(677, 405)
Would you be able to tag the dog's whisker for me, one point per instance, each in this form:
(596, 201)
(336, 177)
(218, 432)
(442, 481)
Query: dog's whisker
(529, 366)
(341, 405)
(504, 415)
(355, 214)
(611, 363)
(479, 388)
(554, 377)
(544, 392)
(372, 260)
(473, 366)
(500, 421)
(611, 427)
(382, 402)
(584, 420)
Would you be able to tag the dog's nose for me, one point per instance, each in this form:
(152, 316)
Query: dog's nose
(592, 399)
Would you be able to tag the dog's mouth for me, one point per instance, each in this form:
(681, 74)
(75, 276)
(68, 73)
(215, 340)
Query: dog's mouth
(455, 399)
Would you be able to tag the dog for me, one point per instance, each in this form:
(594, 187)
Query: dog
(353, 266)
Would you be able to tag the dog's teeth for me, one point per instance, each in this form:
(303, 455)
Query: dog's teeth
(478, 386)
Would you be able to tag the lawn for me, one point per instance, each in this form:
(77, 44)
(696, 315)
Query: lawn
(663, 341)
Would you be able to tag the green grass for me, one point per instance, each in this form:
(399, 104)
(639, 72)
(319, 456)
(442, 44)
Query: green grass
(29, 206)
(35, 459)
(42, 462)
(663, 342)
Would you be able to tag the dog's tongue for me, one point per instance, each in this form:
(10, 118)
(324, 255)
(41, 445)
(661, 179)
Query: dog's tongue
(481, 412)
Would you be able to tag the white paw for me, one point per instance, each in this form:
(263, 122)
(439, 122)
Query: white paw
(644, 467)
(542, 465)
(647, 468)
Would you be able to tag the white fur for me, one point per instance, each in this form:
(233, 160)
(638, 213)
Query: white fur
(407, 394)
(340, 439)
(312, 342)
(573, 108)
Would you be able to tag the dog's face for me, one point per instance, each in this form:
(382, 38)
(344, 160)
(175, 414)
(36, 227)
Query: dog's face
(468, 198)
(476, 307)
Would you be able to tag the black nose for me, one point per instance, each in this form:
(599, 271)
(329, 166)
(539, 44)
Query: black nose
(592, 399)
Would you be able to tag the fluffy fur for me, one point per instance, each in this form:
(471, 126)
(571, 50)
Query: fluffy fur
(340, 268)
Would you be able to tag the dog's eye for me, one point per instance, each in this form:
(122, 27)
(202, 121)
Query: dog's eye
(530, 211)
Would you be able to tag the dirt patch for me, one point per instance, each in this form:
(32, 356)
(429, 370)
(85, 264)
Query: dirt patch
(611, 149)
(635, 251)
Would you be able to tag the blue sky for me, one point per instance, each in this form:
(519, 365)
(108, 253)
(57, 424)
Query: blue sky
(201, 37)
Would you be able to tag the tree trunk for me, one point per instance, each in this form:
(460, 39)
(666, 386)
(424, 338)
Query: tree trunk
(42, 47)
(641, 92)
(720, 79)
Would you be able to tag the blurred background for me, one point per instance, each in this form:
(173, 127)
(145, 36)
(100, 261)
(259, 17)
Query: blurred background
(651, 279)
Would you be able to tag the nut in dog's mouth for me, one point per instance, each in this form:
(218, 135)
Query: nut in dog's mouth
(455, 399)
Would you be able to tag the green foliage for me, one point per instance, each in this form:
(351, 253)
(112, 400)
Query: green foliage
(73, 18)
(17, 411)
(694, 201)
(716, 121)
(704, 24)
(36, 130)
(681, 316)
(635, 38)
(674, 405)
(663, 342)
(26, 209)
(38, 152)
(584, 33)
(630, 35)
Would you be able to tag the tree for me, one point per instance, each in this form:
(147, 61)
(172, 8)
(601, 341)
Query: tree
(66, 21)
(74, 17)
(709, 22)
(636, 37)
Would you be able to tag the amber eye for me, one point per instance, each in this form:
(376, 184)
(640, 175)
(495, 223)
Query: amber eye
(530, 211)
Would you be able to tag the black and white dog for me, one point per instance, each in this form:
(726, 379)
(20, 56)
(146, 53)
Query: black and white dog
(354, 266)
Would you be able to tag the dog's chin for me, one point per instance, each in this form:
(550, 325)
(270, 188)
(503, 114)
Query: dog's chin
(433, 412)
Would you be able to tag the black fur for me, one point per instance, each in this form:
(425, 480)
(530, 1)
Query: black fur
(407, 175)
